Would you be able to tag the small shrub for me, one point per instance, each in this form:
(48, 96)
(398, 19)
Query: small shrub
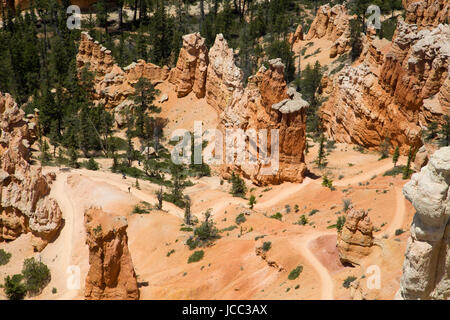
(192, 243)
(196, 256)
(252, 201)
(296, 208)
(303, 220)
(92, 164)
(340, 223)
(287, 208)
(54, 290)
(277, 216)
(394, 171)
(295, 273)
(186, 229)
(348, 281)
(313, 212)
(4, 257)
(399, 232)
(230, 228)
(240, 218)
(36, 275)
(327, 182)
(170, 252)
(14, 287)
(347, 203)
(267, 245)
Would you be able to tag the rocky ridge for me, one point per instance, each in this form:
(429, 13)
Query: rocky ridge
(394, 100)
(25, 202)
(426, 268)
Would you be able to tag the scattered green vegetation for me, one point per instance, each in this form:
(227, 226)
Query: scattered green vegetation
(267, 245)
(295, 273)
(4, 257)
(277, 216)
(196, 256)
(36, 275)
(348, 281)
(240, 218)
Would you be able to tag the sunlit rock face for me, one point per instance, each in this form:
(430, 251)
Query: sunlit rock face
(426, 268)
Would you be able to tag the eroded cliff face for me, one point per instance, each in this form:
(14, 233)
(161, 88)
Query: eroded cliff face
(224, 77)
(25, 203)
(331, 23)
(111, 273)
(427, 13)
(426, 268)
(112, 84)
(355, 240)
(267, 103)
(395, 100)
(190, 71)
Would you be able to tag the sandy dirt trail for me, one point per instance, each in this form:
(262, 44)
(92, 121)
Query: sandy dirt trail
(364, 176)
(303, 245)
(289, 191)
(400, 212)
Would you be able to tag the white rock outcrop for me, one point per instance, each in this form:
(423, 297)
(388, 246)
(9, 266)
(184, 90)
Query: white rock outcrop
(426, 269)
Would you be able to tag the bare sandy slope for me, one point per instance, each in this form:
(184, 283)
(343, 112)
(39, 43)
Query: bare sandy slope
(231, 269)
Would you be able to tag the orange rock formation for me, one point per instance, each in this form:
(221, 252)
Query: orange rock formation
(355, 240)
(111, 273)
(25, 202)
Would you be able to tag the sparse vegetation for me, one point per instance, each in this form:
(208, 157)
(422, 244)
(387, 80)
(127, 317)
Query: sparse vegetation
(240, 218)
(348, 281)
(295, 273)
(277, 216)
(4, 257)
(36, 276)
(399, 232)
(196, 256)
(14, 287)
(267, 245)
(238, 188)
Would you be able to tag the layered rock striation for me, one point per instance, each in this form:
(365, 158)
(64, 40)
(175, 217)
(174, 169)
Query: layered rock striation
(111, 274)
(395, 100)
(426, 268)
(25, 202)
(190, 71)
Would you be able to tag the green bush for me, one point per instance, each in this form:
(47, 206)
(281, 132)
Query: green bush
(348, 281)
(277, 216)
(14, 287)
(313, 212)
(267, 245)
(394, 171)
(36, 275)
(303, 220)
(196, 256)
(4, 257)
(399, 232)
(240, 218)
(238, 188)
(192, 243)
(92, 164)
(295, 273)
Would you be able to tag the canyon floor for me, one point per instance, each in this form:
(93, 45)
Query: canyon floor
(231, 269)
